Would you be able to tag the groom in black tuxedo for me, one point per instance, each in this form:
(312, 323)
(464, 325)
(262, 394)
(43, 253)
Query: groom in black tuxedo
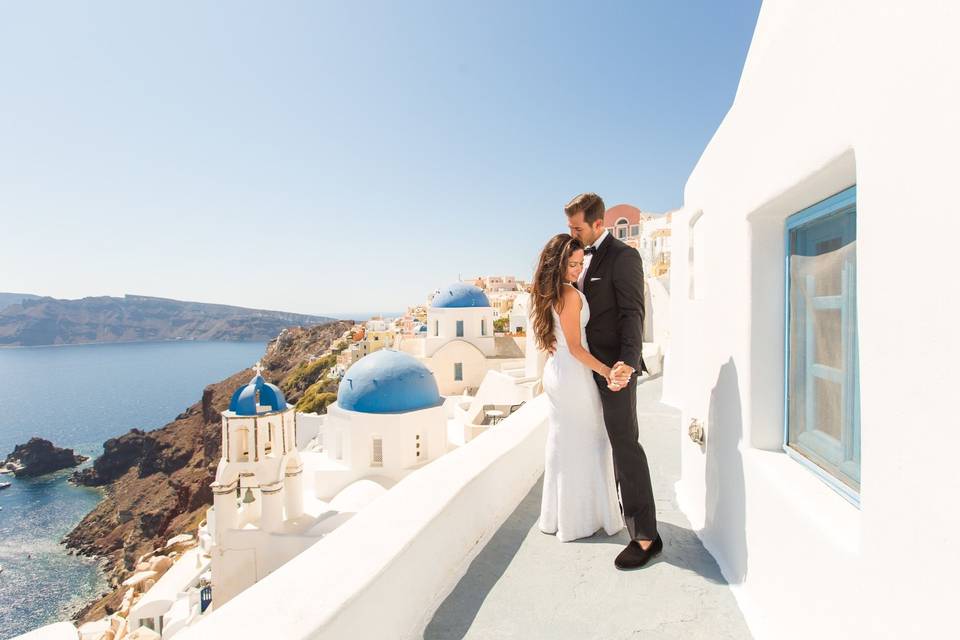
(612, 281)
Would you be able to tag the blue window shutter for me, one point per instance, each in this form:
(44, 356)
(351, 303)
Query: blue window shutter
(821, 381)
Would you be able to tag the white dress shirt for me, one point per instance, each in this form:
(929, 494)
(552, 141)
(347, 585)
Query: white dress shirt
(587, 258)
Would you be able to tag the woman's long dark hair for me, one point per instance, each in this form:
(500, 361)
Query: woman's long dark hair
(547, 291)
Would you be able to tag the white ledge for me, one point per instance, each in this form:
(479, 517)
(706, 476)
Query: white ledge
(383, 573)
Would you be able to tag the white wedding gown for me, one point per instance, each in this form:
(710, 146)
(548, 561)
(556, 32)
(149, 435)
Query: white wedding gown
(579, 490)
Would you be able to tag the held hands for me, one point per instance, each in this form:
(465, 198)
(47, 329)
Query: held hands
(619, 376)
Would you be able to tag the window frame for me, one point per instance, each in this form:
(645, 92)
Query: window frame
(839, 203)
(458, 368)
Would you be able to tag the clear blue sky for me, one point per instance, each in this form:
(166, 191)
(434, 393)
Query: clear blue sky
(331, 157)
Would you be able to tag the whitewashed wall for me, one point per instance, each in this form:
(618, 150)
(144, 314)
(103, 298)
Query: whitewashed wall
(833, 93)
(397, 433)
(55, 631)
(474, 366)
(477, 327)
(308, 426)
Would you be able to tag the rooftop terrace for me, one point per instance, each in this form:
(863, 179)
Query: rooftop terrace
(526, 584)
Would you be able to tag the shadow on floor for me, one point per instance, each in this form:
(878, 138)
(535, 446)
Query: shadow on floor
(457, 612)
(681, 548)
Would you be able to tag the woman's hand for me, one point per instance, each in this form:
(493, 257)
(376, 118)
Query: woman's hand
(619, 376)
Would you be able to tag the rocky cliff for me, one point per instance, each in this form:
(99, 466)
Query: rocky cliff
(48, 321)
(157, 483)
(39, 456)
(7, 299)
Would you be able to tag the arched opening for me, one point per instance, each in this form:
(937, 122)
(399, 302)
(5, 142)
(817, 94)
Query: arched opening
(243, 444)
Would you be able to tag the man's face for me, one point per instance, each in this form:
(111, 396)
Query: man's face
(585, 233)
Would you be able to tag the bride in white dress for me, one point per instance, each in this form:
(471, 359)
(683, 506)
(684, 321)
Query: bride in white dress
(579, 490)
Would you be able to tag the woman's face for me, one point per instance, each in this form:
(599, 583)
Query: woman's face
(574, 266)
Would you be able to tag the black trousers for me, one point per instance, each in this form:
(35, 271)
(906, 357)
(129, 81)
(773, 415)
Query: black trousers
(630, 466)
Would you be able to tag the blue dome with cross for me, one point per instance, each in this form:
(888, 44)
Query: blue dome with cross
(257, 392)
(388, 381)
(460, 295)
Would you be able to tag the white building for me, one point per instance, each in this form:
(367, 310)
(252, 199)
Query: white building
(520, 313)
(459, 345)
(502, 302)
(388, 420)
(258, 496)
(173, 602)
(656, 245)
(377, 324)
(814, 343)
(351, 354)
(499, 283)
(286, 480)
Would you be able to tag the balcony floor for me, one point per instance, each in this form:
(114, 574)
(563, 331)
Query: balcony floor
(526, 584)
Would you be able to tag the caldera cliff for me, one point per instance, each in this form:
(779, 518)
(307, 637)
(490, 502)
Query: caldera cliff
(157, 483)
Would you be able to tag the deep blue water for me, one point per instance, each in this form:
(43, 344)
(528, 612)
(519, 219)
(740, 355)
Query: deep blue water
(77, 397)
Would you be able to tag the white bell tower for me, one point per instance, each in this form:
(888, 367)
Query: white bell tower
(259, 479)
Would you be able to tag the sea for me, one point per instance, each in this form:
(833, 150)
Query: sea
(78, 396)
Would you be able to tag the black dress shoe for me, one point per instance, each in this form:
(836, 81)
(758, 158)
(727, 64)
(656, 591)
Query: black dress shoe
(634, 557)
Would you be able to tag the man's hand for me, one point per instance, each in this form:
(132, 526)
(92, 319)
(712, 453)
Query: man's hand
(619, 376)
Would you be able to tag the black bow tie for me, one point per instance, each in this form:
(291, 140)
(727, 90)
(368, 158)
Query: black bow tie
(590, 250)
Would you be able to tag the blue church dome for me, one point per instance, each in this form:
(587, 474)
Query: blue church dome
(461, 295)
(388, 381)
(245, 399)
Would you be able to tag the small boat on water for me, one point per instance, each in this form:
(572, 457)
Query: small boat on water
(4, 485)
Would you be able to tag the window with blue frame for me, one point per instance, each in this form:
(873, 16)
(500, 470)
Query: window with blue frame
(459, 328)
(822, 417)
(458, 371)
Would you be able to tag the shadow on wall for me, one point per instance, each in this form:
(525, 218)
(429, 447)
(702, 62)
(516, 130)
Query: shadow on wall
(725, 508)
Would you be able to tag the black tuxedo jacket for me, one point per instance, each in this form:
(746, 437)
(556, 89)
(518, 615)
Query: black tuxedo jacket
(613, 286)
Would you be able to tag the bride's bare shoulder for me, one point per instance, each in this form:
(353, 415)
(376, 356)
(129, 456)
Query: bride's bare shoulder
(571, 298)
